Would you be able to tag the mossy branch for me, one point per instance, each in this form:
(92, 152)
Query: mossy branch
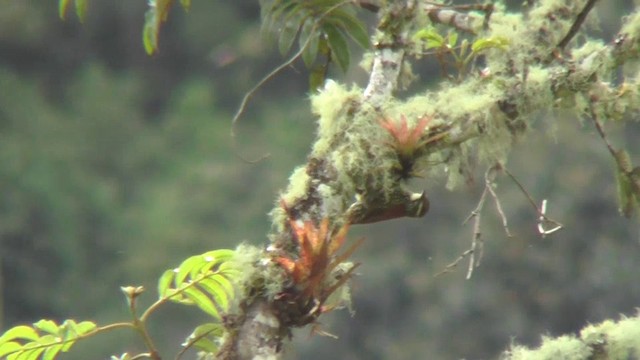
(358, 165)
(608, 340)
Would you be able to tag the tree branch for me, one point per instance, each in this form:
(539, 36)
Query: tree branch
(356, 169)
(608, 340)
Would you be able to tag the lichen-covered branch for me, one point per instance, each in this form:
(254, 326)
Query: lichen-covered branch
(370, 142)
(607, 340)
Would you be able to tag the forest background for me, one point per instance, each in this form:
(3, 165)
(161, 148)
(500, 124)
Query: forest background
(115, 166)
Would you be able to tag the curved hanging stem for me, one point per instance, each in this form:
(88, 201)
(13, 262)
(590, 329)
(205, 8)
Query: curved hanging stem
(269, 76)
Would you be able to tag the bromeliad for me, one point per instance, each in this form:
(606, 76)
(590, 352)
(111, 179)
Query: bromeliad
(312, 271)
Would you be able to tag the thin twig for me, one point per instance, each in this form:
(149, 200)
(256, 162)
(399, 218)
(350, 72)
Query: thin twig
(602, 134)
(543, 219)
(505, 224)
(453, 264)
(576, 24)
(269, 76)
(476, 250)
(476, 238)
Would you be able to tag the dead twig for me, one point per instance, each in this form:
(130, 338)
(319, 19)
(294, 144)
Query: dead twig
(543, 219)
(489, 186)
(453, 264)
(477, 242)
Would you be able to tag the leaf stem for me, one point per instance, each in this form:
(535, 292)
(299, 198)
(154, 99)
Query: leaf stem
(139, 324)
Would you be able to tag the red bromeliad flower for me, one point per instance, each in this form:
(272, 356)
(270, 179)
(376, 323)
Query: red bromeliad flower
(405, 140)
(318, 248)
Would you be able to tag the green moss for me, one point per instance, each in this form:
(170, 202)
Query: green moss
(278, 219)
(298, 185)
(331, 105)
(624, 339)
(247, 258)
(511, 27)
(562, 348)
(538, 89)
(609, 340)
(619, 340)
(631, 26)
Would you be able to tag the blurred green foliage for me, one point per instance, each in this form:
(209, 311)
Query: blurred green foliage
(115, 166)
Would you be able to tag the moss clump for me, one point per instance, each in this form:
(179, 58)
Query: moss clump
(256, 273)
(609, 340)
(332, 105)
(562, 348)
(298, 185)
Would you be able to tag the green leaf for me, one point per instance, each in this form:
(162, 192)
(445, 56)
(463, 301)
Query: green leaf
(224, 283)
(497, 42)
(205, 344)
(202, 336)
(47, 326)
(51, 352)
(9, 347)
(453, 39)
(32, 354)
(217, 257)
(85, 327)
(164, 282)
(431, 37)
(186, 267)
(310, 41)
(63, 6)
(215, 289)
(150, 32)
(287, 36)
(157, 13)
(338, 46)
(68, 328)
(19, 332)
(208, 329)
(464, 45)
(202, 301)
(207, 262)
(352, 26)
(81, 9)
(271, 17)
